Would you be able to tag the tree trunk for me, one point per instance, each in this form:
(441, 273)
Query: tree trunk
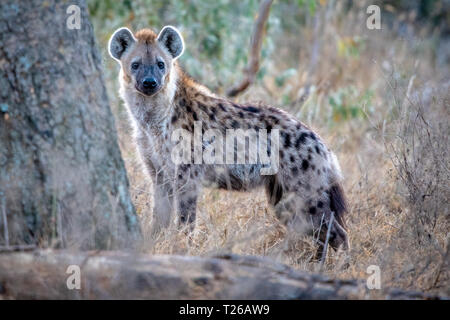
(120, 275)
(62, 179)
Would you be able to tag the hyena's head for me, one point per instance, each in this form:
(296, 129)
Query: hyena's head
(146, 58)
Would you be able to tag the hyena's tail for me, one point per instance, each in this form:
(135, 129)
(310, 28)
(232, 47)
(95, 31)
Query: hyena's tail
(338, 201)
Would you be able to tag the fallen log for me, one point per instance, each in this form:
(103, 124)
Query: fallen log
(43, 274)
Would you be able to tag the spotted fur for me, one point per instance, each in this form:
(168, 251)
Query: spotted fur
(306, 187)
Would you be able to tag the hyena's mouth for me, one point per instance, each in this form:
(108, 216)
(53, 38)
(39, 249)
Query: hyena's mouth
(148, 92)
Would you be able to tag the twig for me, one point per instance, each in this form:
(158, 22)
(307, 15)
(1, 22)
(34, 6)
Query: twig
(5, 223)
(7, 247)
(325, 247)
(24, 247)
(255, 49)
(441, 265)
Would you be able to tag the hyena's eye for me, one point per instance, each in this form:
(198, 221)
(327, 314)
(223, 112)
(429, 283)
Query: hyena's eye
(135, 65)
(161, 65)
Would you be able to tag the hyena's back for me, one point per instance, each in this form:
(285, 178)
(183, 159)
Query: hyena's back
(307, 183)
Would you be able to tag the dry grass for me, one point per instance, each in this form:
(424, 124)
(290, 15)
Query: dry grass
(398, 196)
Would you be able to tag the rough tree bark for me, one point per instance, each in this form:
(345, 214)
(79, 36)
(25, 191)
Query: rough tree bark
(62, 178)
(120, 275)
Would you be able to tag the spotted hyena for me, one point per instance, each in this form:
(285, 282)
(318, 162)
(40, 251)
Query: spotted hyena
(162, 100)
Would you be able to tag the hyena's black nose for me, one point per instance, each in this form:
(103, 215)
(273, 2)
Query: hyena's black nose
(149, 83)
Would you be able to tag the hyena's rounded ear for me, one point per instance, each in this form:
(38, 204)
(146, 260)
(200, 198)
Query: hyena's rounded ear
(171, 39)
(120, 41)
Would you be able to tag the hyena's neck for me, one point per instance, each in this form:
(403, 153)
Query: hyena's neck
(189, 96)
(151, 114)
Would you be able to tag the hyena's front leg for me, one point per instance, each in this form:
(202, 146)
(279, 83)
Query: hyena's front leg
(163, 201)
(162, 176)
(187, 188)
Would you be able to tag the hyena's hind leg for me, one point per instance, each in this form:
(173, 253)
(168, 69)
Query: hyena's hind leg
(282, 202)
(288, 206)
(303, 213)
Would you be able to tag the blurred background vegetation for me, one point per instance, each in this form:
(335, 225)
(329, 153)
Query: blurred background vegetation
(217, 35)
(378, 97)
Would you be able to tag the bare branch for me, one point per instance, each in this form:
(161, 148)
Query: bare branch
(255, 50)
(5, 223)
